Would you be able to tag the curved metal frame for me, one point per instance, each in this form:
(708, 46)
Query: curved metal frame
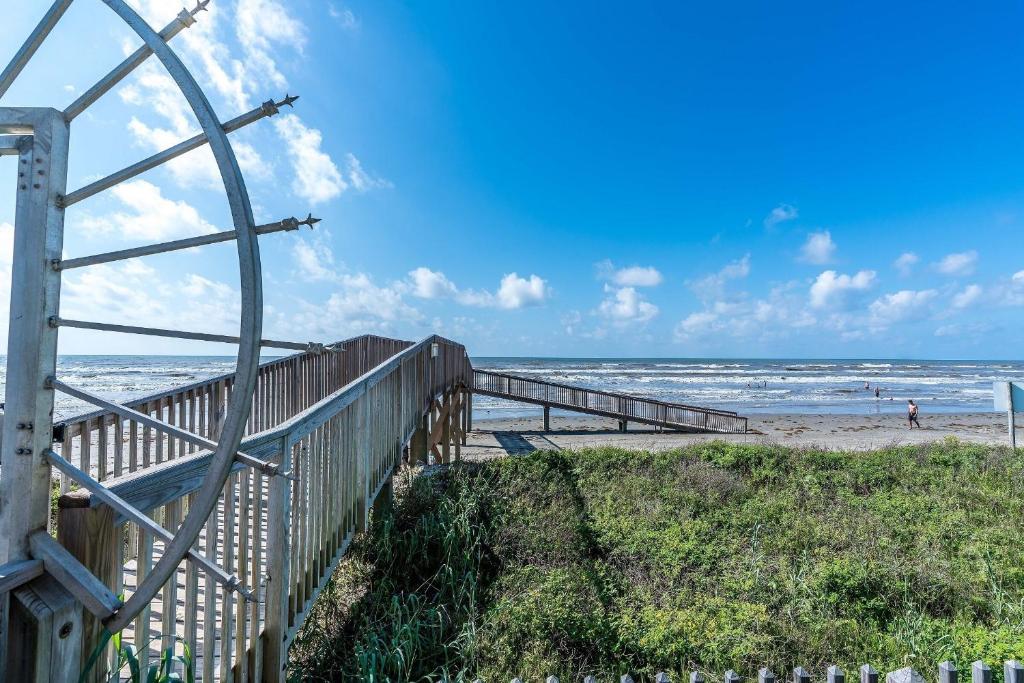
(250, 327)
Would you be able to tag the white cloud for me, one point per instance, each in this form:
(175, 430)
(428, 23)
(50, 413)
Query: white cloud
(905, 263)
(968, 297)
(695, 324)
(961, 263)
(359, 298)
(344, 16)
(782, 312)
(431, 284)
(965, 330)
(133, 293)
(571, 320)
(819, 248)
(637, 276)
(263, 30)
(355, 305)
(1009, 292)
(830, 288)
(902, 305)
(360, 179)
(314, 259)
(153, 217)
(317, 178)
(153, 88)
(626, 306)
(780, 214)
(632, 276)
(517, 292)
(262, 27)
(712, 286)
(513, 291)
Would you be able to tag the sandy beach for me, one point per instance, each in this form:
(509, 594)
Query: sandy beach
(502, 436)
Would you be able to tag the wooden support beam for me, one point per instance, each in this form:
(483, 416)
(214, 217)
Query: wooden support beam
(446, 431)
(418, 443)
(15, 574)
(439, 436)
(71, 574)
(456, 418)
(547, 418)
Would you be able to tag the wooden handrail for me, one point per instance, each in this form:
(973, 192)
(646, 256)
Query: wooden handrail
(340, 445)
(167, 393)
(611, 394)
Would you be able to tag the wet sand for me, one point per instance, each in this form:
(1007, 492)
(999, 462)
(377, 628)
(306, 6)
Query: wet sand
(502, 436)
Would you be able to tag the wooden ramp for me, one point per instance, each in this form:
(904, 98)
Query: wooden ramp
(622, 407)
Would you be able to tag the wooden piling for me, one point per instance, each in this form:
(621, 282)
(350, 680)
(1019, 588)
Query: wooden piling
(89, 534)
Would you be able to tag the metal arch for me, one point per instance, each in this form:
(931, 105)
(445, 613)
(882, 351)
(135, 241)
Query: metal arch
(250, 328)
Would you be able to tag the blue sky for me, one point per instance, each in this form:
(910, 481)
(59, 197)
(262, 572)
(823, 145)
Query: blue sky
(566, 179)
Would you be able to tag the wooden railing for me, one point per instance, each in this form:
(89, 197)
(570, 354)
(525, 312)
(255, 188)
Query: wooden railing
(107, 445)
(337, 421)
(609, 404)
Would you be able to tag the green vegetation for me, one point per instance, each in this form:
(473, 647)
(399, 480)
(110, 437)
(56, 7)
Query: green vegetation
(713, 557)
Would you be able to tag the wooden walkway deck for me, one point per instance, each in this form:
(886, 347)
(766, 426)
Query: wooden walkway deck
(623, 407)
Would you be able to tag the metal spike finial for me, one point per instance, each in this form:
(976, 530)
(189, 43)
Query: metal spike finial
(200, 7)
(270, 107)
(310, 221)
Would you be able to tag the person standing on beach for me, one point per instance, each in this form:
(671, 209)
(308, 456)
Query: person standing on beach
(912, 414)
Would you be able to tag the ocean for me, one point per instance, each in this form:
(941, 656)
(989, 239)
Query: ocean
(743, 385)
(769, 386)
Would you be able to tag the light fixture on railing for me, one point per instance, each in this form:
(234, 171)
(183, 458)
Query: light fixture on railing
(434, 348)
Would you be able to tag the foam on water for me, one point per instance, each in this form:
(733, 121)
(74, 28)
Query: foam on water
(793, 385)
(125, 377)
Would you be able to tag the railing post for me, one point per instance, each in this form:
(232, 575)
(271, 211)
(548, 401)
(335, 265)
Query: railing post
(363, 460)
(44, 633)
(88, 533)
(275, 634)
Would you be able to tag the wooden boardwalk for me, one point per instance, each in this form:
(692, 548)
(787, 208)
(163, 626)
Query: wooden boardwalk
(340, 419)
(623, 407)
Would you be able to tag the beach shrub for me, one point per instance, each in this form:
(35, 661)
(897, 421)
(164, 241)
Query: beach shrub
(711, 557)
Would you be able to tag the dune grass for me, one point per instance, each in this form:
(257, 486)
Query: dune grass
(712, 557)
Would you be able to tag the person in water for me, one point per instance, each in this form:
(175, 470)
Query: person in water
(912, 414)
(878, 393)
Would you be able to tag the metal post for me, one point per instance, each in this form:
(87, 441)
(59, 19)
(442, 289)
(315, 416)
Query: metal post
(32, 345)
(1011, 426)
